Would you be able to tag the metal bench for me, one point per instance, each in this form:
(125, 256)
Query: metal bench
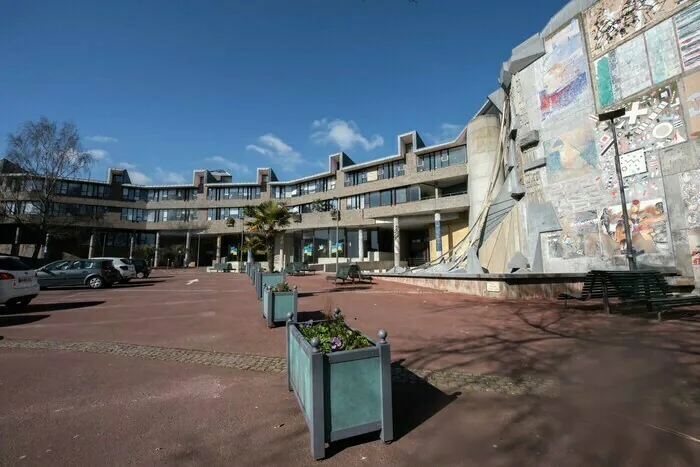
(343, 274)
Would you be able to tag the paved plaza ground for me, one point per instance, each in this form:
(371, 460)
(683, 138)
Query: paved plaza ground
(159, 372)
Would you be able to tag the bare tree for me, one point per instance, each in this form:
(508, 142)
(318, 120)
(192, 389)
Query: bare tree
(42, 155)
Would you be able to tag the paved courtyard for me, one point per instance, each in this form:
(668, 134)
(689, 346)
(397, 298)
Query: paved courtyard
(180, 369)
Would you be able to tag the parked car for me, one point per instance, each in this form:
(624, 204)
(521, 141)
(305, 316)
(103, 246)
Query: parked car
(95, 273)
(125, 268)
(18, 282)
(142, 269)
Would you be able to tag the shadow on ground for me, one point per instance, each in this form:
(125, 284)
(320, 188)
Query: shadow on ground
(45, 307)
(6, 321)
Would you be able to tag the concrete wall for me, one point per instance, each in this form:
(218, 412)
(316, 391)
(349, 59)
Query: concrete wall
(453, 232)
(482, 151)
(571, 209)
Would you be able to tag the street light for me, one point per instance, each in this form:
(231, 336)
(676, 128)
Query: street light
(337, 240)
(629, 251)
(199, 242)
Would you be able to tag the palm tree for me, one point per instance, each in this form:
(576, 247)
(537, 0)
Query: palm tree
(252, 244)
(267, 221)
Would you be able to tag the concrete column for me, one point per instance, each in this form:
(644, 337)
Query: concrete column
(218, 249)
(91, 248)
(46, 245)
(131, 246)
(187, 249)
(17, 244)
(437, 192)
(438, 234)
(361, 246)
(482, 150)
(282, 261)
(155, 255)
(397, 243)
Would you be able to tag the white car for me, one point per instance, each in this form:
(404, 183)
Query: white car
(18, 282)
(124, 266)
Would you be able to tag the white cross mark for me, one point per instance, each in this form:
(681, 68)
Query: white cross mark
(635, 112)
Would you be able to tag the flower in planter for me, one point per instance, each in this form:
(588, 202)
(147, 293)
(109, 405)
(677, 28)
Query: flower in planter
(281, 287)
(334, 335)
(336, 343)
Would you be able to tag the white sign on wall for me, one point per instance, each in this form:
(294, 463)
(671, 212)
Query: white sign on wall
(493, 287)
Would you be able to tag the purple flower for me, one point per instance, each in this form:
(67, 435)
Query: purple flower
(336, 343)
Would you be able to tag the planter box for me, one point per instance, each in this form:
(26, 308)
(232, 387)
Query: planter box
(263, 279)
(341, 394)
(276, 306)
(253, 270)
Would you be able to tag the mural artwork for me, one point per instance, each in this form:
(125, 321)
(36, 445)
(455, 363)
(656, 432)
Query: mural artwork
(647, 225)
(580, 238)
(652, 121)
(565, 77)
(690, 192)
(692, 103)
(688, 30)
(664, 60)
(622, 72)
(694, 243)
(571, 154)
(609, 22)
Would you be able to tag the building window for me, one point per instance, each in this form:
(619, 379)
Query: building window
(443, 158)
(118, 178)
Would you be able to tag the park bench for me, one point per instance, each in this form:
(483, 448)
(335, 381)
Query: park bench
(222, 267)
(355, 273)
(297, 268)
(648, 287)
(343, 274)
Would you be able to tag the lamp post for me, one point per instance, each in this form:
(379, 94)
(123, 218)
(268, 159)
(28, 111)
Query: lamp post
(199, 242)
(337, 222)
(629, 251)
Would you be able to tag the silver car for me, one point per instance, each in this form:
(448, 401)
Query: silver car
(124, 266)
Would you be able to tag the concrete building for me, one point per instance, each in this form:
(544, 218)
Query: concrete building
(400, 210)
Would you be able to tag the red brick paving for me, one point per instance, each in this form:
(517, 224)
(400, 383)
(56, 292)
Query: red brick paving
(623, 380)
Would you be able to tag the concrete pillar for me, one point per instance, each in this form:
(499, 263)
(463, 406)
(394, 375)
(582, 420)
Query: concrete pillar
(438, 234)
(218, 249)
(482, 158)
(187, 249)
(46, 245)
(131, 246)
(16, 245)
(361, 244)
(397, 243)
(437, 192)
(282, 259)
(91, 248)
(155, 255)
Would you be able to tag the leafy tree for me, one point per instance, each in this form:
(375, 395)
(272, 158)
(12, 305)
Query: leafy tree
(44, 155)
(318, 206)
(267, 221)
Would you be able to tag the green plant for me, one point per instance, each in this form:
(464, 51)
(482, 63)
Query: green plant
(281, 287)
(318, 205)
(268, 221)
(333, 334)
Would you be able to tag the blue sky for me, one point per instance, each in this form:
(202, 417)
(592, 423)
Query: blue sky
(165, 87)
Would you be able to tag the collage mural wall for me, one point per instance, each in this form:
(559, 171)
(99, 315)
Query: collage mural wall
(640, 55)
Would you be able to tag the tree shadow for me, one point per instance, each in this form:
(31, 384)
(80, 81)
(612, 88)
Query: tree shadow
(316, 315)
(129, 285)
(6, 321)
(45, 307)
(340, 288)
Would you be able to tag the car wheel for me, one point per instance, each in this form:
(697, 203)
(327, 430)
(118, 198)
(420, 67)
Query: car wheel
(140, 275)
(96, 282)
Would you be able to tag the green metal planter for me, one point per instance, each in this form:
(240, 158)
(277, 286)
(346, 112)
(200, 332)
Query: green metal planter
(341, 394)
(276, 306)
(269, 279)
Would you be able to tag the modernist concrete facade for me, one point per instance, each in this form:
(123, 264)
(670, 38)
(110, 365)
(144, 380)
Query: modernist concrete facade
(403, 209)
(556, 198)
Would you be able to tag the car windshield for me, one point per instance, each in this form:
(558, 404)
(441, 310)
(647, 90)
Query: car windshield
(13, 264)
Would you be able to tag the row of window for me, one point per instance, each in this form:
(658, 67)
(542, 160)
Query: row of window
(241, 192)
(301, 189)
(380, 172)
(134, 215)
(81, 210)
(83, 190)
(439, 159)
(383, 198)
(171, 215)
(162, 194)
(319, 206)
(218, 214)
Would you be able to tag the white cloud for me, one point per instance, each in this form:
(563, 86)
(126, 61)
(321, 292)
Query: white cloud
(278, 151)
(344, 134)
(98, 154)
(139, 178)
(102, 139)
(169, 177)
(231, 166)
(126, 165)
(448, 132)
